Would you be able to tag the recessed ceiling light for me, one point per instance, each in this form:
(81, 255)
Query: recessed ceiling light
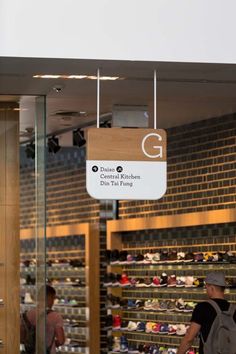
(78, 77)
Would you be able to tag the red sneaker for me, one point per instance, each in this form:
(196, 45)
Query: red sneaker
(116, 322)
(124, 280)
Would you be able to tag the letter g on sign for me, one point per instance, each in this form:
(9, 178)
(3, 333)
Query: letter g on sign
(155, 147)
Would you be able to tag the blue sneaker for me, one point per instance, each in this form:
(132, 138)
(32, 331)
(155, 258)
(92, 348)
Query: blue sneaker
(141, 326)
(131, 304)
(123, 345)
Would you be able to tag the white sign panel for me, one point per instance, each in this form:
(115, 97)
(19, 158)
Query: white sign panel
(126, 163)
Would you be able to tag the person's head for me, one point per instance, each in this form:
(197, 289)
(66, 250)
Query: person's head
(50, 295)
(215, 285)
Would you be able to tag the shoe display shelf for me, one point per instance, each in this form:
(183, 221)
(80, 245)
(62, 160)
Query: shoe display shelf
(73, 270)
(145, 293)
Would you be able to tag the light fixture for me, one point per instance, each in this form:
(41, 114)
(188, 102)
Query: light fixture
(78, 138)
(30, 150)
(53, 144)
(77, 77)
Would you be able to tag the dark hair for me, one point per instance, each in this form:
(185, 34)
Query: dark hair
(50, 290)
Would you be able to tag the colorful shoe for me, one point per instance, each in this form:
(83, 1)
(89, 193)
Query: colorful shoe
(172, 329)
(156, 282)
(124, 281)
(155, 305)
(132, 326)
(139, 304)
(163, 306)
(28, 299)
(131, 304)
(147, 258)
(116, 323)
(180, 257)
(198, 257)
(189, 257)
(156, 328)
(189, 306)
(140, 283)
(171, 281)
(172, 351)
(149, 326)
(147, 282)
(130, 259)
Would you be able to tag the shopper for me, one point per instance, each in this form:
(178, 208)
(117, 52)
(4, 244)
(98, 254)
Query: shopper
(204, 316)
(54, 325)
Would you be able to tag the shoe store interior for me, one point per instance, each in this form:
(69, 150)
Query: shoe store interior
(127, 273)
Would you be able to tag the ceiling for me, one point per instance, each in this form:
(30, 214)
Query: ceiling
(185, 92)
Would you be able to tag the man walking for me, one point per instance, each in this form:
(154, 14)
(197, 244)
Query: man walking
(204, 313)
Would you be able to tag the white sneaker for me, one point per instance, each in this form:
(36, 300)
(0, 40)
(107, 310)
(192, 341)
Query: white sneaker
(132, 326)
(181, 329)
(28, 299)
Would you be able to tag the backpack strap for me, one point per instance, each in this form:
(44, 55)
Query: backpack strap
(232, 309)
(214, 304)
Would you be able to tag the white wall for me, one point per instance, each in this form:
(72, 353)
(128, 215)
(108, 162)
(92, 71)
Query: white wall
(152, 30)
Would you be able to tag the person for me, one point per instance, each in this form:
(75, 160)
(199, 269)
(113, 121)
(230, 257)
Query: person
(204, 314)
(55, 336)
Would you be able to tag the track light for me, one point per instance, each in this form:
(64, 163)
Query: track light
(53, 145)
(30, 150)
(78, 138)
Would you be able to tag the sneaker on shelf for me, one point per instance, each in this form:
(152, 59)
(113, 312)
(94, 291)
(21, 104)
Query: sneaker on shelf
(156, 282)
(156, 328)
(124, 325)
(172, 256)
(180, 257)
(123, 257)
(163, 350)
(172, 329)
(198, 282)
(180, 282)
(114, 256)
(148, 258)
(123, 344)
(133, 281)
(149, 326)
(154, 349)
(208, 257)
(163, 306)
(140, 283)
(171, 305)
(189, 306)
(172, 351)
(123, 303)
(131, 304)
(28, 299)
(155, 305)
(163, 280)
(139, 258)
(108, 256)
(156, 258)
(171, 281)
(148, 305)
(180, 305)
(73, 303)
(112, 302)
(198, 257)
(191, 351)
(116, 322)
(139, 304)
(146, 348)
(189, 282)
(116, 345)
(130, 259)
(164, 328)
(141, 326)
(164, 256)
(132, 326)
(124, 281)
(108, 322)
(181, 329)
(189, 257)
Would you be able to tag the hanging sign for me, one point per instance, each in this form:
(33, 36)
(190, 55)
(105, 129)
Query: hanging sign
(126, 163)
